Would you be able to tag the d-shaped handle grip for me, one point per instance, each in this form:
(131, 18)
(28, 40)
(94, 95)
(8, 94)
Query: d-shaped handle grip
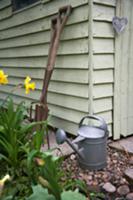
(102, 125)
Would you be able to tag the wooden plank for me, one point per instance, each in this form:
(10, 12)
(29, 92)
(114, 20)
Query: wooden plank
(74, 76)
(124, 69)
(57, 111)
(103, 61)
(75, 31)
(79, 47)
(117, 78)
(80, 90)
(79, 15)
(103, 29)
(68, 126)
(66, 101)
(67, 61)
(107, 116)
(90, 56)
(5, 13)
(67, 88)
(102, 105)
(103, 13)
(103, 45)
(4, 3)
(110, 129)
(103, 90)
(103, 76)
(67, 114)
(106, 2)
(37, 12)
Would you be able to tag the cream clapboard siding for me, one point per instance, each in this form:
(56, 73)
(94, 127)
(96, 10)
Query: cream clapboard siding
(103, 59)
(24, 43)
(123, 98)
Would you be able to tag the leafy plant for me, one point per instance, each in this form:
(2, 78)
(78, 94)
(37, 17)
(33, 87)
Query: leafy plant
(97, 196)
(40, 193)
(74, 195)
(14, 132)
(49, 173)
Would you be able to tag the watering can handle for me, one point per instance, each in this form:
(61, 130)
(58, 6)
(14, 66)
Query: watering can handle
(103, 125)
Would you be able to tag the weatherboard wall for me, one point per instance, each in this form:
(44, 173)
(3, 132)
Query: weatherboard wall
(24, 43)
(82, 81)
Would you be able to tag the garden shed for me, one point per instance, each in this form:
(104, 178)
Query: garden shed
(93, 72)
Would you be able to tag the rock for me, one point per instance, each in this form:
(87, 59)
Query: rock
(72, 157)
(129, 174)
(129, 196)
(131, 160)
(123, 181)
(108, 187)
(123, 190)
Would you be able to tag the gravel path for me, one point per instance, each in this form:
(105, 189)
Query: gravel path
(111, 180)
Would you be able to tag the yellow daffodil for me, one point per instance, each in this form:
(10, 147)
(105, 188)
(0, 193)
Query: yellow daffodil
(2, 182)
(3, 77)
(29, 86)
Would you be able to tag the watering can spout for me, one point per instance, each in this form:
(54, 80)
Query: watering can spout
(61, 138)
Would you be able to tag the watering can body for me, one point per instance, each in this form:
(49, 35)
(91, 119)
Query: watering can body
(91, 143)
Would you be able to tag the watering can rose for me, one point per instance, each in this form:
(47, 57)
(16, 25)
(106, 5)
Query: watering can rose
(28, 85)
(3, 77)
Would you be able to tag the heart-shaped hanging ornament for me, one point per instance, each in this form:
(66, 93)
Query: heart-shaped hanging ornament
(119, 24)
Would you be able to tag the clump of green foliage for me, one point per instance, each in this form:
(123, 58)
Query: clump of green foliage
(34, 174)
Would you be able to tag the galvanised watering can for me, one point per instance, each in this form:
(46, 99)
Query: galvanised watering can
(90, 144)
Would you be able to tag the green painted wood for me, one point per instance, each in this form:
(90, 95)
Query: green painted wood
(71, 32)
(62, 100)
(79, 15)
(67, 88)
(24, 47)
(5, 13)
(79, 47)
(74, 89)
(37, 12)
(63, 61)
(103, 76)
(106, 2)
(65, 75)
(68, 126)
(124, 82)
(103, 104)
(4, 3)
(103, 90)
(103, 13)
(103, 61)
(103, 45)
(103, 29)
(107, 116)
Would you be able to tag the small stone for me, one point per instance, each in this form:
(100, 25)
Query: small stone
(108, 187)
(123, 181)
(131, 160)
(90, 178)
(129, 196)
(72, 157)
(115, 161)
(129, 174)
(116, 154)
(123, 190)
